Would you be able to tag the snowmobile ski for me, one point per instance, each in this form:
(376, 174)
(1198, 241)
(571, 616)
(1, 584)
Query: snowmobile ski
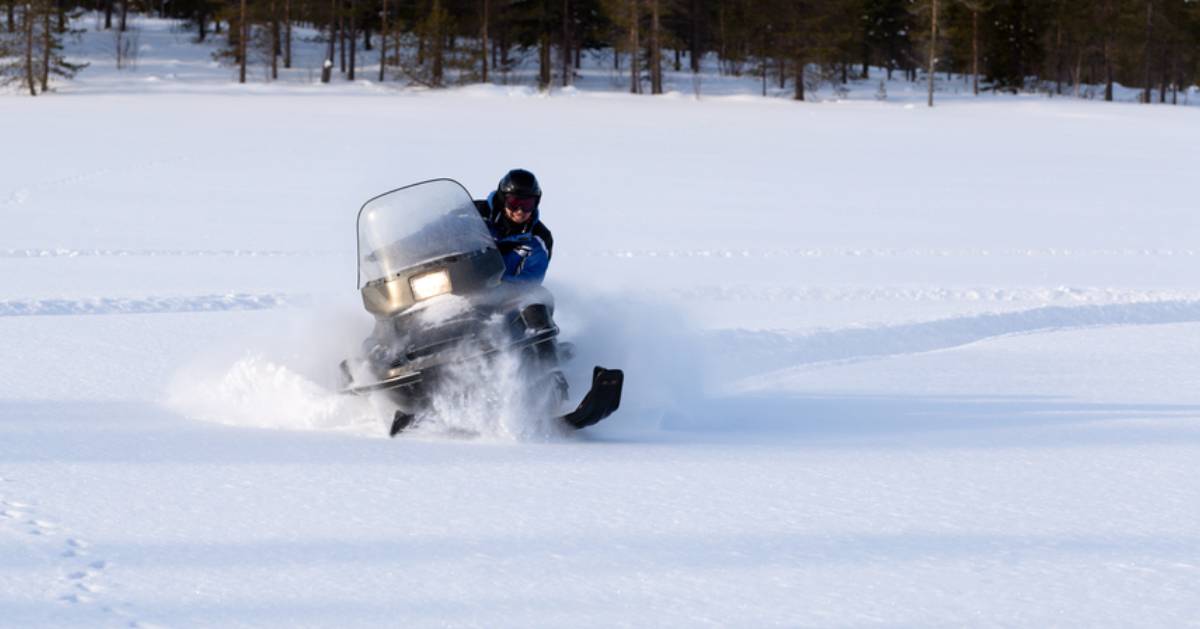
(601, 401)
(400, 421)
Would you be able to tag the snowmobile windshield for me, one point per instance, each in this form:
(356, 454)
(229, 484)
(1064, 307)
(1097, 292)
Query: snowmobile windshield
(417, 224)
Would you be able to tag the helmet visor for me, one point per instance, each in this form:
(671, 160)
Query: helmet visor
(514, 203)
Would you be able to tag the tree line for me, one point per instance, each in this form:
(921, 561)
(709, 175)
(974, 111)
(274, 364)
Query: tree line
(1056, 46)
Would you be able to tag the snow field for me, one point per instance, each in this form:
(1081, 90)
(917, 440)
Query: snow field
(885, 365)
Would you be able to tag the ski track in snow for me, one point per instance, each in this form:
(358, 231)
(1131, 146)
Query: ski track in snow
(150, 305)
(157, 253)
(757, 351)
(82, 575)
(1078, 295)
(891, 253)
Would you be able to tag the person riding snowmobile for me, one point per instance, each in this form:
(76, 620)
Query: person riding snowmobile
(511, 214)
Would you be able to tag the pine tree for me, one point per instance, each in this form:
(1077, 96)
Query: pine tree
(885, 38)
(32, 53)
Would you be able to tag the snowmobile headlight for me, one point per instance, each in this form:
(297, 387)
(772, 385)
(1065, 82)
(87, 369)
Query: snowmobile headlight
(430, 284)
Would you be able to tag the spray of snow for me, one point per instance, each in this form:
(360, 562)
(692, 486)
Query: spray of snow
(285, 377)
(281, 377)
(491, 399)
(257, 392)
(666, 369)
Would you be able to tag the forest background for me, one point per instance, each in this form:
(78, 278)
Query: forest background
(1056, 47)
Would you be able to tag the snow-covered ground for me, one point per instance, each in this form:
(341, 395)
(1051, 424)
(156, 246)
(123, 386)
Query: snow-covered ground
(885, 365)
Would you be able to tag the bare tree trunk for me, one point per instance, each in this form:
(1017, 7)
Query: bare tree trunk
(437, 41)
(1146, 51)
(933, 20)
(799, 71)
(12, 16)
(243, 33)
(201, 26)
(694, 52)
(27, 26)
(975, 51)
(866, 59)
(483, 35)
(47, 47)
(1108, 74)
(383, 43)
(544, 60)
(1175, 83)
(655, 51)
(353, 39)
(108, 11)
(1077, 75)
(287, 33)
(124, 13)
(722, 52)
(766, 45)
(567, 70)
(327, 66)
(1058, 55)
(635, 15)
(274, 41)
(1165, 78)
(505, 43)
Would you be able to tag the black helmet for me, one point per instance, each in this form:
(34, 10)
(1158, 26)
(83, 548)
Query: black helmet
(519, 183)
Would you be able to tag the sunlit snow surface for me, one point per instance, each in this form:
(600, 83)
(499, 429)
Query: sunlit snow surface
(885, 365)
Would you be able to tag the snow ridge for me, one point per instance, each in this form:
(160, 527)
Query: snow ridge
(1046, 294)
(818, 252)
(149, 305)
(772, 350)
(160, 253)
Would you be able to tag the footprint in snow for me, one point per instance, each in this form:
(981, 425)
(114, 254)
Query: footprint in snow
(17, 198)
(75, 548)
(42, 527)
(82, 579)
(75, 599)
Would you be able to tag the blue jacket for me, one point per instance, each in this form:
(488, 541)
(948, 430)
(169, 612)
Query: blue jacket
(526, 247)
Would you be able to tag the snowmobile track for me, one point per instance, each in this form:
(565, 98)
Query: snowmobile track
(150, 305)
(766, 351)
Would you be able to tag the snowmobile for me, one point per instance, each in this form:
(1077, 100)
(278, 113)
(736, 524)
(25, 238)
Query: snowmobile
(431, 274)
